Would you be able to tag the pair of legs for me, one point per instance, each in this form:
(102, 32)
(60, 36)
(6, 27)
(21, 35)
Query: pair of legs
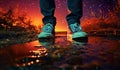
(47, 9)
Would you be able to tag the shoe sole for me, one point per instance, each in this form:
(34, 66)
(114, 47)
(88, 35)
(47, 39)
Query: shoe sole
(81, 39)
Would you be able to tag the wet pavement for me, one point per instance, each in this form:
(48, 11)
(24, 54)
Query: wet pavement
(99, 53)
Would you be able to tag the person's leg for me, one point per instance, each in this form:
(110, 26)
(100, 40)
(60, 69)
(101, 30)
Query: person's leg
(73, 19)
(47, 9)
(75, 7)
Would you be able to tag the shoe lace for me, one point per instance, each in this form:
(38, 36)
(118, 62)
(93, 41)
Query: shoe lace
(48, 28)
(75, 27)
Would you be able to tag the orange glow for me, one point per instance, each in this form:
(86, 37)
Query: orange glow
(37, 20)
(91, 21)
(59, 26)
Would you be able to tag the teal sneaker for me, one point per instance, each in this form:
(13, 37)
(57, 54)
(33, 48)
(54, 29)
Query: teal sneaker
(77, 31)
(47, 31)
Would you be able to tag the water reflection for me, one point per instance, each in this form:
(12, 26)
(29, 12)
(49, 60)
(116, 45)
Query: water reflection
(47, 43)
(98, 54)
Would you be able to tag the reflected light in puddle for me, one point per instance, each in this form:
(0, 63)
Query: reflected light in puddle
(37, 61)
(23, 64)
(69, 37)
(31, 62)
(23, 49)
(35, 43)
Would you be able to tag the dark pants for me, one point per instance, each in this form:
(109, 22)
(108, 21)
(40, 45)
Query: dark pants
(48, 8)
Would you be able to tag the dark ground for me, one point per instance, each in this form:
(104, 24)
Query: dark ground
(8, 38)
(99, 53)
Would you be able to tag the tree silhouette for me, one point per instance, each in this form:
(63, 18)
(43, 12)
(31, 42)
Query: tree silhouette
(9, 21)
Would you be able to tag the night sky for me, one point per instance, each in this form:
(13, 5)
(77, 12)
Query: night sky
(31, 7)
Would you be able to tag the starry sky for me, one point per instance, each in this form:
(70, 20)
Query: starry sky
(31, 7)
